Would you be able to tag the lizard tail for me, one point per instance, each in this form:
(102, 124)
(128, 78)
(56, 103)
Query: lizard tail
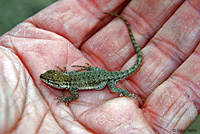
(138, 62)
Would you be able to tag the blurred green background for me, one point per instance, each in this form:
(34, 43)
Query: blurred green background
(13, 12)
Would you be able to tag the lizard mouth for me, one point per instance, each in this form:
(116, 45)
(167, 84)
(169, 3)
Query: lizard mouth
(43, 78)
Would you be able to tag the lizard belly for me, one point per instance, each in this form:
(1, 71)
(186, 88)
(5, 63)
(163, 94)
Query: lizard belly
(86, 86)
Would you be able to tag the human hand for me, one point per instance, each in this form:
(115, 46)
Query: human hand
(74, 33)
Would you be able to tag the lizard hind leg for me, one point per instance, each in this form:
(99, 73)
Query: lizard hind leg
(82, 66)
(111, 85)
(88, 68)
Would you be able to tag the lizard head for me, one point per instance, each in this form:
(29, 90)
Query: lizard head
(56, 79)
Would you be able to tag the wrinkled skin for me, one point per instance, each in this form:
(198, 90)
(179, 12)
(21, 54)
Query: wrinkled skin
(74, 32)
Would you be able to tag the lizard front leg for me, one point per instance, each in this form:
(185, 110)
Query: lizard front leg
(62, 69)
(111, 85)
(74, 96)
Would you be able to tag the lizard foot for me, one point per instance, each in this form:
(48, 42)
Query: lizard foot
(61, 98)
(68, 99)
(130, 95)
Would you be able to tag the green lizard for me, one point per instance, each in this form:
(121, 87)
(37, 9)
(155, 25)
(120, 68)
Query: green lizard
(91, 77)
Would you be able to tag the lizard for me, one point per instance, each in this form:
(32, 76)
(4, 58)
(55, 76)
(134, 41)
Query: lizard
(88, 77)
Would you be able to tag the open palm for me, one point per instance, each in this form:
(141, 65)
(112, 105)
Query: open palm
(74, 32)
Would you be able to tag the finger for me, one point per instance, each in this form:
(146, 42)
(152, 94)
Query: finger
(169, 48)
(19, 96)
(74, 20)
(115, 117)
(112, 44)
(174, 105)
